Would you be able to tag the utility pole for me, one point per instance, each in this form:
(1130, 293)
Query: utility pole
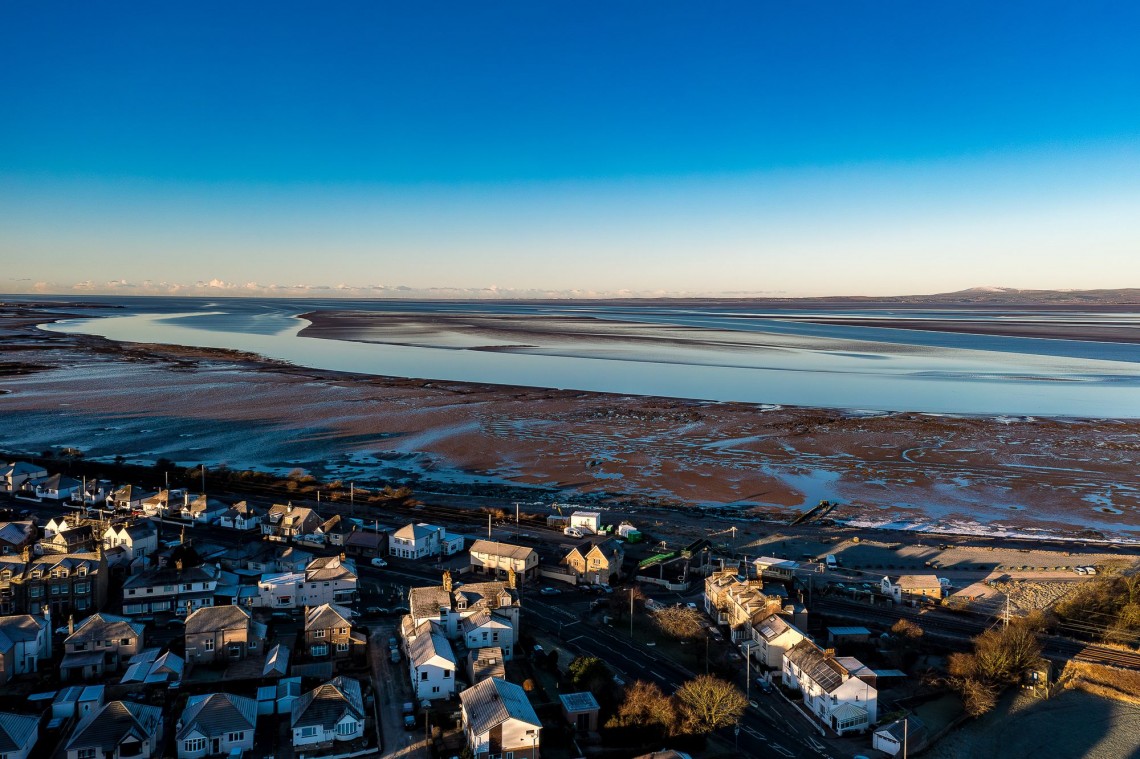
(516, 520)
(748, 674)
(488, 527)
(203, 479)
(1005, 616)
(631, 613)
(352, 499)
(905, 731)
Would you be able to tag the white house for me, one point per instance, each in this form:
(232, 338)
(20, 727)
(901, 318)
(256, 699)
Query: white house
(170, 589)
(216, 724)
(332, 712)
(120, 729)
(911, 587)
(25, 640)
(418, 541)
(773, 638)
(497, 559)
(18, 734)
(240, 516)
(431, 664)
(589, 522)
(326, 580)
(448, 606)
(14, 474)
(498, 720)
(203, 510)
(57, 525)
(831, 687)
(485, 629)
(57, 487)
(138, 539)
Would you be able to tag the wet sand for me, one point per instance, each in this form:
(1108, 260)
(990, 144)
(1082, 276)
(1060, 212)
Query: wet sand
(904, 470)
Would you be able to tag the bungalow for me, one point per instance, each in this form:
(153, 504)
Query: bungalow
(497, 559)
(57, 487)
(328, 633)
(331, 712)
(13, 475)
(240, 516)
(101, 643)
(911, 587)
(832, 688)
(367, 544)
(18, 734)
(24, 641)
(204, 510)
(773, 638)
(220, 633)
(119, 729)
(418, 541)
(431, 664)
(216, 724)
(499, 720)
(598, 563)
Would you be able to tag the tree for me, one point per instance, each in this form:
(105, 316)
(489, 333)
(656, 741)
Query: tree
(678, 621)
(1004, 654)
(590, 673)
(619, 601)
(708, 703)
(906, 631)
(645, 706)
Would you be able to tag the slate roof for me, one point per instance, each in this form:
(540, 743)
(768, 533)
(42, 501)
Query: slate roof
(276, 662)
(104, 729)
(327, 615)
(483, 617)
(330, 568)
(823, 670)
(492, 702)
(426, 602)
(365, 539)
(20, 467)
(328, 704)
(72, 561)
(914, 730)
(772, 627)
(415, 531)
(144, 528)
(169, 575)
(501, 549)
(15, 729)
(105, 627)
(486, 662)
(212, 618)
(427, 646)
(19, 628)
(216, 714)
(59, 482)
(483, 593)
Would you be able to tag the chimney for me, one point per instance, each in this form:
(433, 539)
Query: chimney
(447, 581)
(70, 624)
(829, 653)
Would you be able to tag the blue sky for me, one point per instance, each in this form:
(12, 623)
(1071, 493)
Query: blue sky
(569, 148)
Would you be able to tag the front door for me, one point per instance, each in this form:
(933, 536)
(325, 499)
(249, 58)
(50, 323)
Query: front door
(217, 746)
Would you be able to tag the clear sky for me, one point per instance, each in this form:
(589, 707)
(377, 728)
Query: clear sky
(527, 148)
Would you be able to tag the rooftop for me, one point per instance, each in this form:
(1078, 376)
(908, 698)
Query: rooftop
(492, 702)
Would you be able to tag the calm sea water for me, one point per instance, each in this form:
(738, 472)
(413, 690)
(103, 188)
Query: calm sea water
(786, 362)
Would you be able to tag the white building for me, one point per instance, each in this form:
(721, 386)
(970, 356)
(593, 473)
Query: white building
(240, 516)
(25, 641)
(488, 630)
(418, 541)
(216, 724)
(448, 606)
(773, 638)
(499, 720)
(18, 734)
(170, 589)
(330, 713)
(431, 664)
(831, 687)
(138, 539)
(57, 487)
(589, 522)
(497, 559)
(326, 580)
(13, 475)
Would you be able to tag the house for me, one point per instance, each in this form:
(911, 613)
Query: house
(773, 637)
(14, 474)
(128, 498)
(328, 633)
(418, 541)
(499, 720)
(217, 724)
(91, 699)
(286, 521)
(162, 503)
(581, 711)
(739, 603)
(18, 733)
(64, 584)
(497, 559)
(449, 606)
(588, 522)
(118, 730)
(102, 643)
(597, 563)
(204, 510)
(774, 568)
(487, 629)
(831, 688)
(336, 530)
(25, 640)
(217, 634)
(57, 487)
(79, 539)
(179, 589)
(240, 516)
(911, 587)
(332, 712)
(902, 736)
(367, 544)
(431, 664)
(485, 662)
(326, 580)
(58, 524)
(138, 539)
(15, 536)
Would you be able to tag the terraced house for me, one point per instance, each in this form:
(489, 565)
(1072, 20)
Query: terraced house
(449, 606)
(63, 584)
(737, 602)
(597, 563)
(178, 589)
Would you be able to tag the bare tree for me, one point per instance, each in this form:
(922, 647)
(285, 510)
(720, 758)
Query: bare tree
(708, 703)
(906, 631)
(646, 706)
(678, 621)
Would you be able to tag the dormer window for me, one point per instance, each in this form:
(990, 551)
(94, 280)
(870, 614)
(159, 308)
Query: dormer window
(81, 570)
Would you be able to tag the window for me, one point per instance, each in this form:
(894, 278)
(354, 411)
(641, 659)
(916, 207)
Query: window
(86, 753)
(435, 689)
(130, 591)
(209, 646)
(346, 728)
(342, 647)
(194, 744)
(446, 674)
(484, 636)
(125, 642)
(423, 675)
(235, 737)
(308, 732)
(321, 650)
(318, 633)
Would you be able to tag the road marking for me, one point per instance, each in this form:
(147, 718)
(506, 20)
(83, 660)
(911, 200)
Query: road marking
(815, 744)
(754, 733)
(780, 749)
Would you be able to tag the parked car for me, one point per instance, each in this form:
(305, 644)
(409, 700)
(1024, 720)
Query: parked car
(763, 685)
(550, 591)
(375, 611)
(691, 605)
(379, 563)
(394, 655)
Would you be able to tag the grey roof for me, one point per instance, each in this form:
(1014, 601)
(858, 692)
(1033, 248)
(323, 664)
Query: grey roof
(15, 729)
(415, 531)
(105, 627)
(276, 662)
(365, 539)
(20, 627)
(72, 561)
(143, 528)
(106, 728)
(213, 618)
(771, 627)
(841, 631)
(330, 568)
(216, 714)
(327, 704)
(426, 602)
(579, 702)
(501, 549)
(896, 729)
(170, 576)
(816, 665)
(427, 645)
(492, 702)
(59, 482)
(327, 615)
(484, 594)
(486, 662)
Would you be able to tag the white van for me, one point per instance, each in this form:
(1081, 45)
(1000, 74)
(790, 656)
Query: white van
(830, 562)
